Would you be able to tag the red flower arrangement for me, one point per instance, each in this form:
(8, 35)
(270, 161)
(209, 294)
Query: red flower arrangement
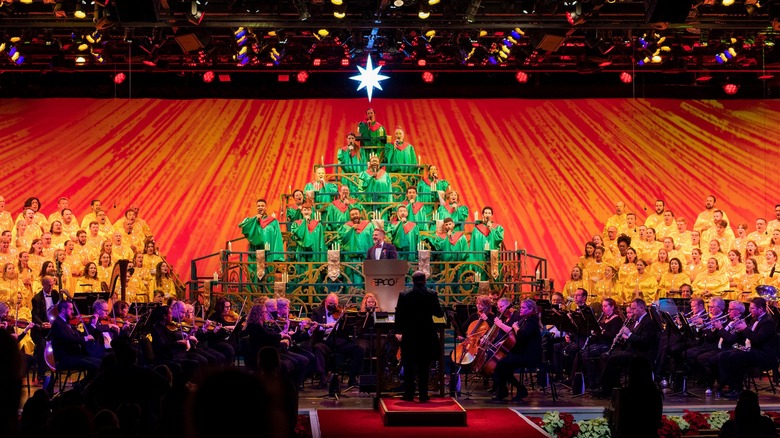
(669, 429)
(696, 421)
(775, 416)
(570, 429)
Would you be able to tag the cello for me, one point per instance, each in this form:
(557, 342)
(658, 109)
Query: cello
(466, 352)
(489, 342)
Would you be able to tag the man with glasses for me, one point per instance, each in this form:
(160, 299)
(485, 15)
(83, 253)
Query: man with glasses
(760, 348)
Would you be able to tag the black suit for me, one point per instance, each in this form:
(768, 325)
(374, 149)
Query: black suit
(38, 334)
(414, 321)
(337, 342)
(389, 252)
(763, 353)
(642, 342)
(69, 348)
(525, 353)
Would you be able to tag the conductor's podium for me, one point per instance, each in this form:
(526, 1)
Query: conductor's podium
(439, 411)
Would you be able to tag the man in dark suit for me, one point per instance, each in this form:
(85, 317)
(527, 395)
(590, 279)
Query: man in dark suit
(69, 345)
(101, 330)
(641, 339)
(333, 338)
(760, 340)
(42, 302)
(381, 249)
(414, 324)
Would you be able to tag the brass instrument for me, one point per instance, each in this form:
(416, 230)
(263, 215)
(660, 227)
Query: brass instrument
(709, 324)
(731, 327)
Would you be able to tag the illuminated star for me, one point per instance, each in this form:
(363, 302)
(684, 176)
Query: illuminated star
(369, 78)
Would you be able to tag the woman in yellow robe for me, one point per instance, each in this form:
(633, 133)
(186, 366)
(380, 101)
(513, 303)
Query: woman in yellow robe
(696, 266)
(36, 255)
(645, 286)
(774, 242)
(587, 259)
(164, 280)
(138, 285)
(11, 286)
(647, 249)
(660, 265)
(711, 282)
(67, 277)
(89, 281)
(607, 254)
(26, 275)
(673, 279)
(575, 282)
(752, 251)
(671, 252)
(734, 271)
(747, 283)
(716, 252)
(741, 240)
(627, 272)
(105, 267)
(609, 286)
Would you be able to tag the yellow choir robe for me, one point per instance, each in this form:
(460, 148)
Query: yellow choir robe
(646, 285)
(693, 270)
(609, 289)
(746, 284)
(715, 283)
(84, 284)
(627, 276)
(658, 269)
(672, 282)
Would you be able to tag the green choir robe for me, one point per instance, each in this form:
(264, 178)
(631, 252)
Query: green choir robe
(400, 154)
(405, 236)
(426, 194)
(419, 213)
(353, 161)
(325, 194)
(454, 246)
(458, 214)
(376, 187)
(481, 235)
(357, 238)
(372, 134)
(309, 238)
(338, 212)
(259, 233)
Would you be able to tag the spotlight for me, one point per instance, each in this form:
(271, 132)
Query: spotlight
(626, 77)
(730, 89)
(345, 62)
(728, 2)
(521, 77)
(197, 12)
(151, 60)
(302, 76)
(433, 2)
(427, 77)
(337, 2)
(79, 13)
(119, 78)
(421, 62)
(316, 62)
(81, 60)
(208, 77)
(303, 10)
(425, 11)
(398, 3)
(472, 10)
(340, 11)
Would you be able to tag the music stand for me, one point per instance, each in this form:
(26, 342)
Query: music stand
(685, 330)
(348, 321)
(592, 326)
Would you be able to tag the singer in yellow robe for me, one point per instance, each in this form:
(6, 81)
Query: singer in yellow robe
(645, 286)
(609, 287)
(711, 282)
(576, 281)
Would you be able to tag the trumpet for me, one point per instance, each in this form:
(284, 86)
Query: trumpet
(731, 326)
(708, 325)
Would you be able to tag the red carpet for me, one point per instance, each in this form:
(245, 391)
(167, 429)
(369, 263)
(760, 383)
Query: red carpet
(502, 422)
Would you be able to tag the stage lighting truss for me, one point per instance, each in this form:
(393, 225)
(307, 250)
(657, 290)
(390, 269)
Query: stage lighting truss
(197, 11)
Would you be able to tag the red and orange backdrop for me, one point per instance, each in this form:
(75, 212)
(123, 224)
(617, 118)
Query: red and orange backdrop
(552, 170)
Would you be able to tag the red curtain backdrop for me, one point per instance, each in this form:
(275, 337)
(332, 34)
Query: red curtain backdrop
(552, 170)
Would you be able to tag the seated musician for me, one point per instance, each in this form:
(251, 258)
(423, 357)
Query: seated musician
(484, 312)
(524, 327)
(641, 337)
(610, 323)
(760, 348)
(215, 346)
(197, 337)
(697, 357)
(564, 352)
(171, 346)
(264, 330)
(327, 315)
(102, 330)
(300, 332)
(69, 345)
(225, 319)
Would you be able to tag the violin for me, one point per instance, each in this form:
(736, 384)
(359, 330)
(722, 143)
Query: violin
(231, 317)
(209, 325)
(20, 323)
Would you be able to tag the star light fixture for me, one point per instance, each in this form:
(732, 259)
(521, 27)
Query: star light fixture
(369, 78)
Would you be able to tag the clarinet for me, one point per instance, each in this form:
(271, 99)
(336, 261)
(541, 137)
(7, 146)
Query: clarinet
(617, 337)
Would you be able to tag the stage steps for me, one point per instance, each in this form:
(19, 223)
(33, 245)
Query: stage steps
(438, 411)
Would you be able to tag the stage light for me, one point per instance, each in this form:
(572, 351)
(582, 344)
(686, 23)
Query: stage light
(303, 10)
(433, 2)
(302, 76)
(765, 76)
(425, 11)
(522, 77)
(704, 78)
(421, 62)
(340, 11)
(316, 62)
(79, 13)
(94, 37)
(82, 47)
(119, 78)
(81, 60)
(728, 2)
(208, 77)
(345, 62)
(197, 12)
(337, 2)
(626, 77)
(730, 89)
(398, 3)
(427, 77)
(472, 10)
(151, 60)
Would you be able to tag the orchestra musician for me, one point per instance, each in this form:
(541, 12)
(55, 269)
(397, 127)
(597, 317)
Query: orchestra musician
(101, 329)
(300, 332)
(265, 331)
(170, 347)
(641, 337)
(564, 352)
(43, 305)
(610, 323)
(183, 318)
(484, 312)
(698, 357)
(327, 315)
(69, 345)
(760, 348)
(525, 328)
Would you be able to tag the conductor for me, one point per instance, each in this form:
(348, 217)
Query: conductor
(414, 322)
